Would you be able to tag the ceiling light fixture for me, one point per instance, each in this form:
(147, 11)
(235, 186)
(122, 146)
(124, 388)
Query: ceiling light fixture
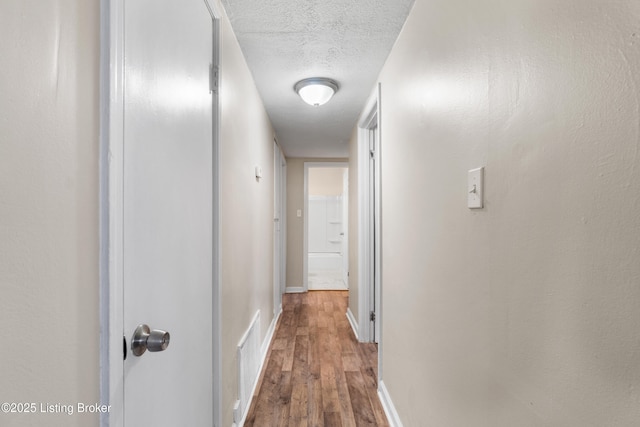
(316, 90)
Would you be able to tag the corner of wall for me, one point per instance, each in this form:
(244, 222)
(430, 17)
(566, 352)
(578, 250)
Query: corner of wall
(388, 406)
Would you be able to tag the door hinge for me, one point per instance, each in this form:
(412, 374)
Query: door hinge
(372, 153)
(372, 316)
(214, 75)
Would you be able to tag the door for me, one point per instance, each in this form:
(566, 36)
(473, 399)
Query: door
(168, 210)
(278, 226)
(345, 227)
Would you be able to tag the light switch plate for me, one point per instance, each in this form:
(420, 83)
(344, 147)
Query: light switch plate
(258, 172)
(475, 188)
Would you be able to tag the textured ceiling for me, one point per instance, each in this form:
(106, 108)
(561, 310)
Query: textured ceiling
(288, 40)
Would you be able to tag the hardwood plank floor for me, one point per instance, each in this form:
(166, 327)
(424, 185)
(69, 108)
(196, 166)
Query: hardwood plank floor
(316, 373)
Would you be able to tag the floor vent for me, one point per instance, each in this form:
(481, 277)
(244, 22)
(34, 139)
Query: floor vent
(248, 365)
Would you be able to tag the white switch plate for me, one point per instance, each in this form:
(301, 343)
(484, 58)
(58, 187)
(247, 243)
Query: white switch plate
(258, 172)
(299, 213)
(475, 188)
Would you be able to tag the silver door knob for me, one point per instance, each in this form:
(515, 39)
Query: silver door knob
(146, 339)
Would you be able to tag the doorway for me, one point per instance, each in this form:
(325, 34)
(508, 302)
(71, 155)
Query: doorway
(369, 223)
(279, 226)
(325, 226)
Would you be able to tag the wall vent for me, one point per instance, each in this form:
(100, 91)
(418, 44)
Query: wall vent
(248, 365)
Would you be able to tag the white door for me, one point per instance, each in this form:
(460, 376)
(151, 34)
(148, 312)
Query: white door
(168, 210)
(345, 227)
(278, 225)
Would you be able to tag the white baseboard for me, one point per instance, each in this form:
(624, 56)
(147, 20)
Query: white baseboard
(294, 290)
(387, 405)
(353, 322)
(263, 358)
(269, 337)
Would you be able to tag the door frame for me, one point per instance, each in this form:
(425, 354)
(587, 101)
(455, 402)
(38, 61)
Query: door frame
(280, 220)
(111, 220)
(369, 281)
(284, 221)
(345, 227)
(305, 243)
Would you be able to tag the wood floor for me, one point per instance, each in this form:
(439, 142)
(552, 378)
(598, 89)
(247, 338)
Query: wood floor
(316, 373)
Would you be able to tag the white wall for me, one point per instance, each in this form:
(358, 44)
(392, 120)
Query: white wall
(49, 207)
(246, 141)
(524, 313)
(325, 181)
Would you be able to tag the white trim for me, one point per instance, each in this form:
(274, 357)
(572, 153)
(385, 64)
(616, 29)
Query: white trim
(388, 406)
(216, 17)
(278, 227)
(305, 232)
(112, 104)
(284, 225)
(264, 351)
(345, 228)
(363, 235)
(370, 114)
(269, 336)
(112, 219)
(295, 290)
(353, 322)
(104, 228)
(378, 225)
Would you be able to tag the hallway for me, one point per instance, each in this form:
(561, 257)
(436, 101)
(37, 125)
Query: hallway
(316, 373)
(502, 137)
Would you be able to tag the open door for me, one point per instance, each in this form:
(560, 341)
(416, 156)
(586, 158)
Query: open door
(162, 209)
(168, 212)
(345, 227)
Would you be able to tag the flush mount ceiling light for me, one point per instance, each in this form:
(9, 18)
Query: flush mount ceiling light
(316, 90)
